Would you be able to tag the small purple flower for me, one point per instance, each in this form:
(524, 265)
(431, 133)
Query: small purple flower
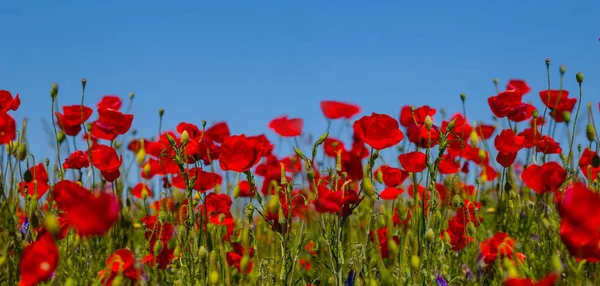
(24, 227)
(350, 280)
(439, 279)
(468, 273)
(535, 237)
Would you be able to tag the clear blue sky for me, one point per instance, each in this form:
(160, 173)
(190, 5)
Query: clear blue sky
(247, 62)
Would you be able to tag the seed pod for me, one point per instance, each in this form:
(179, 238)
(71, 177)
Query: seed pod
(54, 91)
(590, 132)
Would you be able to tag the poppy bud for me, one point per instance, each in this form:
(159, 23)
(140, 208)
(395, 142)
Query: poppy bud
(283, 179)
(214, 277)
(589, 132)
(379, 176)
(203, 253)
(22, 152)
(131, 95)
(415, 261)
(482, 155)
(471, 229)
(429, 234)
(185, 137)
(496, 81)
(456, 201)
(450, 125)
(393, 247)
(367, 186)
(447, 238)
(11, 147)
(428, 122)
(579, 77)
(535, 114)
(566, 116)
(171, 140)
(54, 91)
(146, 170)
(177, 251)
(70, 282)
(547, 62)
(463, 97)
(88, 126)
(562, 69)
(60, 136)
(161, 112)
(474, 138)
(338, 161)
(51, 223)
(274, 205)
(158, 246)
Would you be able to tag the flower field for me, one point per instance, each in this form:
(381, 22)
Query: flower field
(420, 197)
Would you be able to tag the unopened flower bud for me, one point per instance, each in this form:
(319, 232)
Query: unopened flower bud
(274, 205)
(141, 157)
(428, 122)
(203, 253)
(22, 152)
(456, 201)
(214, 278)
(590, 132)
(162, 216)
(579, 77)
(158, 246)
(562, 69)
(482, 154)
(244, 263)
(131, 95)
(367, 186)
(496, 81)
(171, 139)
(463, 97)
(51, 223)
(415, 261)
(185, 137)
(566, 116)
(161, 112)
(557, 265)
(547, 62)
(474, 138)
(429, 234)
(60, 136)
(54, 91)
(471, 229)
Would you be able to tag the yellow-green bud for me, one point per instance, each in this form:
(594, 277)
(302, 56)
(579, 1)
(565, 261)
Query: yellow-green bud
(203, 253)
(567, 116)
(214, 278)
(158, 246)
(557, 265)
(244, 263)
(22, 152)
(131, 95)
(367, 186)
(185, 137)
(590, 132)
(54, 91)
(496, 81)
(456, 201)
(547, 62)
(274, 205)
(428, 122)
(415, 261)
(463, 97)
(474, 138)
(429, 234)
(579, 77)
(562, 69)
(60, 136)
(161, 112)
(51, 223)
(471, 229)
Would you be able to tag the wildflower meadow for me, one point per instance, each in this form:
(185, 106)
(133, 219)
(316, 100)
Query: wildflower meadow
(421, 197)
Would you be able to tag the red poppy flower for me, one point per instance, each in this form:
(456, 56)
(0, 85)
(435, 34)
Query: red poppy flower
(580, 222)
(390, 193)
(203, 181)
(287, 127)
(504, 103)
(332, 146)
(508, 144)
(500, 245)
(38, 260)
(547, 145)
(549, 280)
(88, 214)
(141, 191)
(336, 109)
(448, 165)
(244, 190)
(422, 137)
(110, 101)
(379, 131)
(121, 262)
(235, 257)
(111, 123)
(155, 231)
(518, 85)
(545, 178)
(192, 130)
(38, 185)
(218, 132)
(413, 162)
(390, 176)
(589, 164)
(485, 131)
(77, 160)
(329, 201)
(8, 128)
(556, 98)
(239, 154)
(7, 102)
(105, 158)
(382, 236)
(417, 116)
(72, 118)
(456, 231)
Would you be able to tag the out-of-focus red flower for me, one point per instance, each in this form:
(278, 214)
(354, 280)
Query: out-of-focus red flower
(448, 165)
(335, 109)
(413, 162)
(380, 131)
(422, 137)
(518, 85)
(382, 236)
(500, 245)
(141, 191)
(485, 131)
(549, 280)
(38, 185)
(547, 145)
(244, 190)
(558, 101)
(545, 178)
(218, 132)
(235, 257)
(121, 262)
(110, 101)
(390, 193)
(8, 128)
(7, 102)
(508, 144)
(88, 214)
(72, 118)
(580, 223)
(239, 154)
(77, 160)
(287, 127)
(106, 159)
(38, 260)
(264, 143)
(331, 146)
(329, 201)
(157, 231)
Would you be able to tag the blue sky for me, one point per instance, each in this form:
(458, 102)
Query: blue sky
(247, 62)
